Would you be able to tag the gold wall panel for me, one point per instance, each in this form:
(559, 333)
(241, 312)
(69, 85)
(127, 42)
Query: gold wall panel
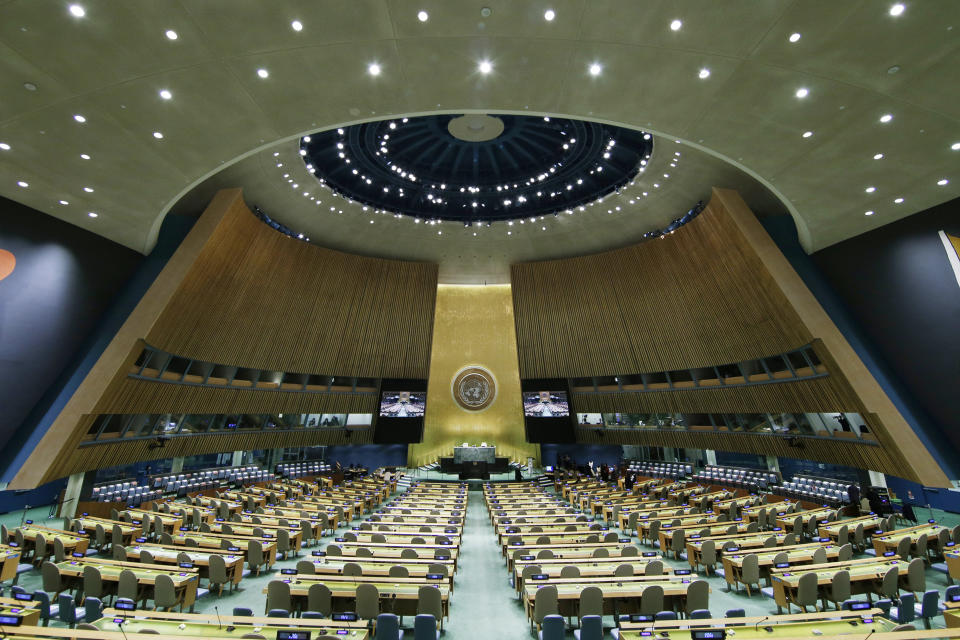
(473, 326)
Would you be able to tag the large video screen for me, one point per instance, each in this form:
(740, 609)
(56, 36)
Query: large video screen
(546, 404)
(403, 404)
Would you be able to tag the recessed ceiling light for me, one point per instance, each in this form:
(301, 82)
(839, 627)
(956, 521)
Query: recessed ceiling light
(84, 156)
(423, 16)
(29, 86)
(158, 135)
(92, 214)
(165, 94)
(79, 118)
(942, 182)
(870, 189)
(898, 200)
(263, 73)
(172, 35)
(868, 213)
(88, 189)
(64, 202)
(373, 69)
(807, 134)
(486, 66)
(297, 25)
(794, 37)
(21, 183)
(675, 25)
(897, 9)
(704, 73)
(885, 118)
(955, 146)
(878, 156)
(802, 92)
(4, 146)
(549, 15)
(77, 10)
(595, 69)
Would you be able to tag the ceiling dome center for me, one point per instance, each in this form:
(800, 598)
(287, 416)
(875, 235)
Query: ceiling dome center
(475, 127)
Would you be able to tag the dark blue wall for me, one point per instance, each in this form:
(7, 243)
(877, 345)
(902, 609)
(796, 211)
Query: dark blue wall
(790, 467)
(369, 455)
(897, 283)
(581, 454)
(94, 334)
(745, 460)
(65, 279)
(918, 496)
(873, 355)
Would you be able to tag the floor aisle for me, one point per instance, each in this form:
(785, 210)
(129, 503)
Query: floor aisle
(483, 604)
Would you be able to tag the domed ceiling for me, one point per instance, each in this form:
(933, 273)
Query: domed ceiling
(112, 112)
(476, 167)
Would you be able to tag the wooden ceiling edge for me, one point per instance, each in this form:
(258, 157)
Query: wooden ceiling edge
(901, 435)
(56, 441)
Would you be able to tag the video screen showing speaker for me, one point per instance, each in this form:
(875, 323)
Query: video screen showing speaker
(546, 404)
(547, 413)
(403, 404)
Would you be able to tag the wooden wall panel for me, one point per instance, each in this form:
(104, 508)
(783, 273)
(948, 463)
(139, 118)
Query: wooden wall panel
(695, 298)
(715, 291)
(110, 454)
(239, 293)
(832, 451)
(143, 396)
(258, 298)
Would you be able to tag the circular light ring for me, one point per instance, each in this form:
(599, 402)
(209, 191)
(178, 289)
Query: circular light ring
(417, 168)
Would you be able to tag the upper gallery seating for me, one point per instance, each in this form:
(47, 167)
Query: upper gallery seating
(737, 477)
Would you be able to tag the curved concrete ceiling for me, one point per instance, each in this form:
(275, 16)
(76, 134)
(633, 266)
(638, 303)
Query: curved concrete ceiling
(856, 61)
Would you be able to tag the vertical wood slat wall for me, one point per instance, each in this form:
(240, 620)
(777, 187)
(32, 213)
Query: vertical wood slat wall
(698, 297)
(704, 295)
(258, 298)
(244, 294)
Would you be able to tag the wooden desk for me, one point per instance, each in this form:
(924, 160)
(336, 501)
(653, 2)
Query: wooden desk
(568, 593)
(397, 595)
(167, 554)
(71, 541)
(795, 626)
(27, 610)
(210, 625)
(185, 581)
(889, 540)
(863, 573)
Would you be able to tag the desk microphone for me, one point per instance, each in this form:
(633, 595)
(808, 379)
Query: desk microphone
(120, 626)
(757, 626)
(217, 611)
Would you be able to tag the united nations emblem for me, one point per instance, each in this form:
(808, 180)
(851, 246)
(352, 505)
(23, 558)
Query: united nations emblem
(474, 388)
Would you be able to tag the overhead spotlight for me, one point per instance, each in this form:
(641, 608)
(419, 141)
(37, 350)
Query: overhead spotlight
(794, 37)
(171, 34)
(79, 118)
(675, 25)
(897, 9)
(885, 118)
(485, 66)
(549, 15)
(878, 156)
(595, 69)
(263, 73)
(4, 146)
(373, 69)
(296, 25)
(802, 92)
(93, 214)
(77, 11)
(955, 146)
(158, 135)
(868, 213)
(704, 73)
(942, 182)
(807, 134)
(165, 94)
(423, 16)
